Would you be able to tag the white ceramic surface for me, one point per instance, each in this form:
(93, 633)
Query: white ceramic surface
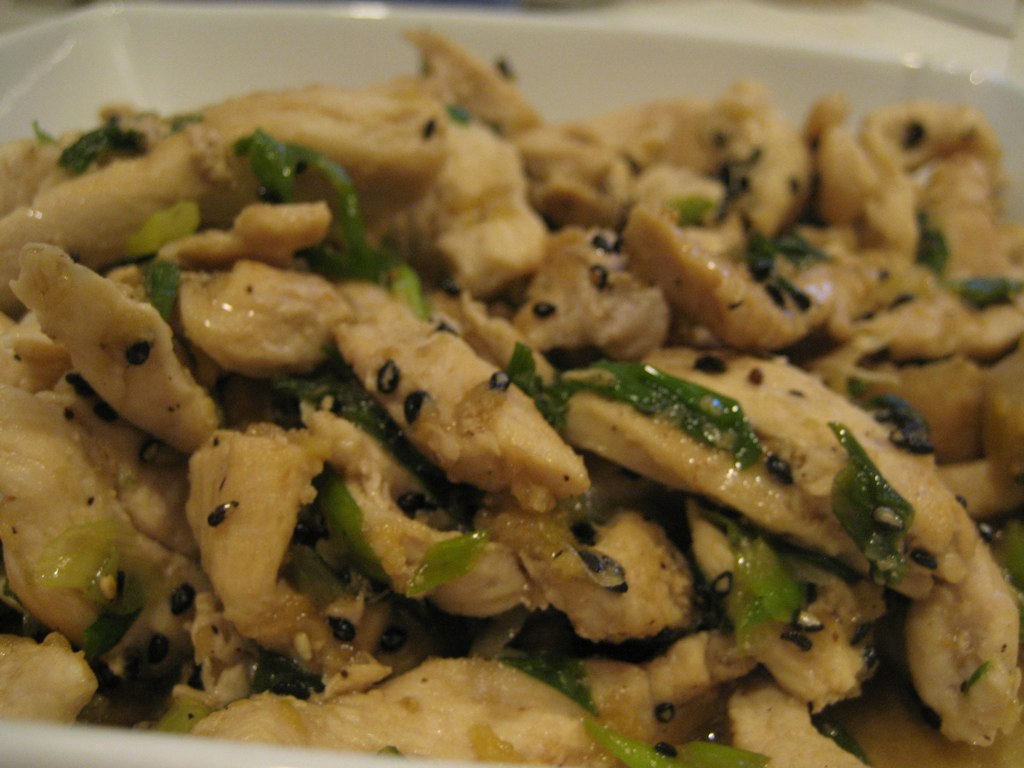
(175, 58)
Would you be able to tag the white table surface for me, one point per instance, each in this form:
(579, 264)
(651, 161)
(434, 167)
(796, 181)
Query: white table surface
(924, 31)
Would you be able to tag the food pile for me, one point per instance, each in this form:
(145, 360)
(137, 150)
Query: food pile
(401, 420)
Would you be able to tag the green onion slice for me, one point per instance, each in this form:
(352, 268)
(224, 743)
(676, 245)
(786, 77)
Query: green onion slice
(872, 512)
(344, 520)
(162, 227)
(563, 673)
(162, 279)
(696, 754)
(182, 715)
(446, 561)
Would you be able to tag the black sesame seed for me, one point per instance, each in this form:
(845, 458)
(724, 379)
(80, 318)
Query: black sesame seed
(611, 574)
(987, 532)
(601, 242)
(296, 688)
(505, 68)
(666, 749)
(392, 639)
(388, 377)
(429, 128)
(797, 638)
(449, 286)
(860, 633)
(870, 656)
(69, 414)
(103, 411)
(779, 468)
(132, 664)
(710, 364)
(544, 309)
(924, 558)
(158, 648)
(80, 385)
(182, 598)
(344, 631)
(413, 404)
(598, 275)
(664, 712)
(149, 450)
(220, 513)
(106, 678)
(137, 353)
(913, 134)
(444, 327)
(584, 532)
(775, 294)
(499, 381)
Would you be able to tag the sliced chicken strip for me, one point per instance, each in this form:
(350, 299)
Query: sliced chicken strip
(438, 390)
(962, 643)
(790, 410)
(766, 720)
(43, 681)
(261, 321)
(29, 359)
(246, 491)
(457, 709)
(378, 139)
(495, 583)
(122, 347)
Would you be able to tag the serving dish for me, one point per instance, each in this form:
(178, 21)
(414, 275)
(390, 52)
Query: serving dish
(175, 58)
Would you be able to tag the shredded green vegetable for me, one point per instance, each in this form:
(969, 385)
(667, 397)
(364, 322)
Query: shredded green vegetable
(872, 512)
(446, 561)
(697, 754)
(565, 674)
(99, 143)
(344, 520)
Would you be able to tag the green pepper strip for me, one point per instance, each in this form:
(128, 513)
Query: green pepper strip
(446, 561)
(872, 512)
(697, 754)
(344, 520)
(703, 414)
(564, 674)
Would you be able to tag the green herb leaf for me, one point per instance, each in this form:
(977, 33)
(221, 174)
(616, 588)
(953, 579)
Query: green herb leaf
(162, 227)
(446, 561)
(691, 211)
(976, 675)
(162, 280)
(459, 114)
(705, 415)
(284, 676)
(872, 512)
(106, 632)
(344, 520)
(932, 251)
(842, 737)
(982, 292)
(522, 371)
(99, 143)
(565, 674)
(42, 136)
(182, 715)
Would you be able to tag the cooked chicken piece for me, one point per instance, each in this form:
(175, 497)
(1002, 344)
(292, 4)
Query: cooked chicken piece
(703, 279)
(584, 297)
(149, 477)
(667, 698)
(764, 162)
(671, 131)
(261, 321)
(456, 77)
(122, 347)
(378, 139)
(260, 232)
(663, 184)
(962, 643)
(936, 324)
(790, 411)
(456, 709)
(492, 337)
(29, 359)
(43, 681)
(915, 132)
(437, 389)
(1002, 416)
(574, 177)
(830, 110)
(631, 583)
(868, 193)
(766, 720)
(476, 222)
(247, 488)
(984, 486)
(814, 658)
(59, 502)
(224, 657)
(26, 167)
(961, 198)
(495, 583)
